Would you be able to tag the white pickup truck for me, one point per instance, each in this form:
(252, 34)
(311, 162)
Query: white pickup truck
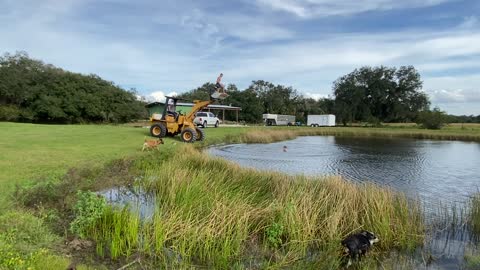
(205, 119)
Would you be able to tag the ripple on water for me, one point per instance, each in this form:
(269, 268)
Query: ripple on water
(442, 174)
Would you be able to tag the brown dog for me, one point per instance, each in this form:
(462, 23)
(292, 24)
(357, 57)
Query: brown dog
(151, 144)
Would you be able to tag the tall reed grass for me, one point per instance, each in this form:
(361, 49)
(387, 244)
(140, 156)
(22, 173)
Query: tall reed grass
(475, 214)
(214, 213)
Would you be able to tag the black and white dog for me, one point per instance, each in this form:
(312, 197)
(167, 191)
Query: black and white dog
(357, 244)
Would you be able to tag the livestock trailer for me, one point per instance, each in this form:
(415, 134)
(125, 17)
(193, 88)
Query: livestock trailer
(278, 119)
(326, 120)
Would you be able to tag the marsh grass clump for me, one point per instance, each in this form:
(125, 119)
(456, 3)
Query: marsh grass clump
(472, 262)
(267, 136)
(214, 213)
(475, 214)
(117, 232)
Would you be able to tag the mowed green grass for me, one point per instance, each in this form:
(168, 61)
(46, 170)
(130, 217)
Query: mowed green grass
(30, 152)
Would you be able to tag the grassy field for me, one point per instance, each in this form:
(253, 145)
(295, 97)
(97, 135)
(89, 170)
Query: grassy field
(30, 152)
(280, 217)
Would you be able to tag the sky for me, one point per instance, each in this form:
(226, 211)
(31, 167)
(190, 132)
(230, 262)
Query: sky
(162, 47)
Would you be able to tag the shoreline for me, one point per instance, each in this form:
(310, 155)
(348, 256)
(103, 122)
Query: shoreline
(187, 160)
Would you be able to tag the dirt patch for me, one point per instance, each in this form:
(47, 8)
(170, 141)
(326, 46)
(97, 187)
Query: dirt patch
(79, 244)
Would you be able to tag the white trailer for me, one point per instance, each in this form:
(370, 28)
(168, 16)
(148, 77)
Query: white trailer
(326, 120)
(278, 119)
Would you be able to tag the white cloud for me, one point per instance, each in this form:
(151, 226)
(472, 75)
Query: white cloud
(336, 55)
(448, 96)
(159, 96)
(322, 8)
(443, 65)
(468, 83)
(213, 29)
(259, 33)
(315, 96)
(457, 101)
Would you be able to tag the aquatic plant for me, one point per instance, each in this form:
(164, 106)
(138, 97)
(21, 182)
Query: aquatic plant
(472, 262)
(116, 231)
(475, 214)
(213, 212)
(88, 209)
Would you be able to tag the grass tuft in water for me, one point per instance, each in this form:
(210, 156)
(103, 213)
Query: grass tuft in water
(475, 214)
(214, 213)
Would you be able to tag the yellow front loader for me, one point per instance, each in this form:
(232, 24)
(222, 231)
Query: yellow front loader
(173, 123)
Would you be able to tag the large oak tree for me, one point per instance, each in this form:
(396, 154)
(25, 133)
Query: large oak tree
(385, 94)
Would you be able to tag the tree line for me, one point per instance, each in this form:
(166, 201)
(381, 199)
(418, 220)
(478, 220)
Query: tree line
(32, 91)
(264, 97)
(369, 94)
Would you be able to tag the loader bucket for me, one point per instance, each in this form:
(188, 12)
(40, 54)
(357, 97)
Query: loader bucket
(219, 95)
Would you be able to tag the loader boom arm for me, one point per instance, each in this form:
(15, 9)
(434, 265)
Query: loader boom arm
(198, 106)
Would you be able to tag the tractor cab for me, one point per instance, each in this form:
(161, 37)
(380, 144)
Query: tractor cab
(170, 113)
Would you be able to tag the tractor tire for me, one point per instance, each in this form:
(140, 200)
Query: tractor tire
(189, 135)
(200, 134)
(158, 130)
(204, 124)
(217, 124)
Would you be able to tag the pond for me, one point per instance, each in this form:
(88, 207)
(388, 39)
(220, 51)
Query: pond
(448, 171)
(442, 174)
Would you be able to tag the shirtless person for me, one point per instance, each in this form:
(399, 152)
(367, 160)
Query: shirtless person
(219, 84)
(220, 92)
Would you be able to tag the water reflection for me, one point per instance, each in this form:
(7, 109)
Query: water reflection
(134, 198)
(442, 174)
(433, 170)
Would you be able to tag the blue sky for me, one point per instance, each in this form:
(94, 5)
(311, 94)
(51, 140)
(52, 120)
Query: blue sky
(161, 47)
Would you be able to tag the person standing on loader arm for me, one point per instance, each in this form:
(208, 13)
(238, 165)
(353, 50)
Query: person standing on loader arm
(220, 88)
(219, 85)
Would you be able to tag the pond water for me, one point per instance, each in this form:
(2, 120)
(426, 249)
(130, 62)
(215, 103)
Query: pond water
(448, 171)
(439, 173)
(442, 174)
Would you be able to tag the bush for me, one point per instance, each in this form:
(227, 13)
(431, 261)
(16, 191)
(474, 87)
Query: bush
(9, 113)
(88, 209)
(434, 119)
(373, 122)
